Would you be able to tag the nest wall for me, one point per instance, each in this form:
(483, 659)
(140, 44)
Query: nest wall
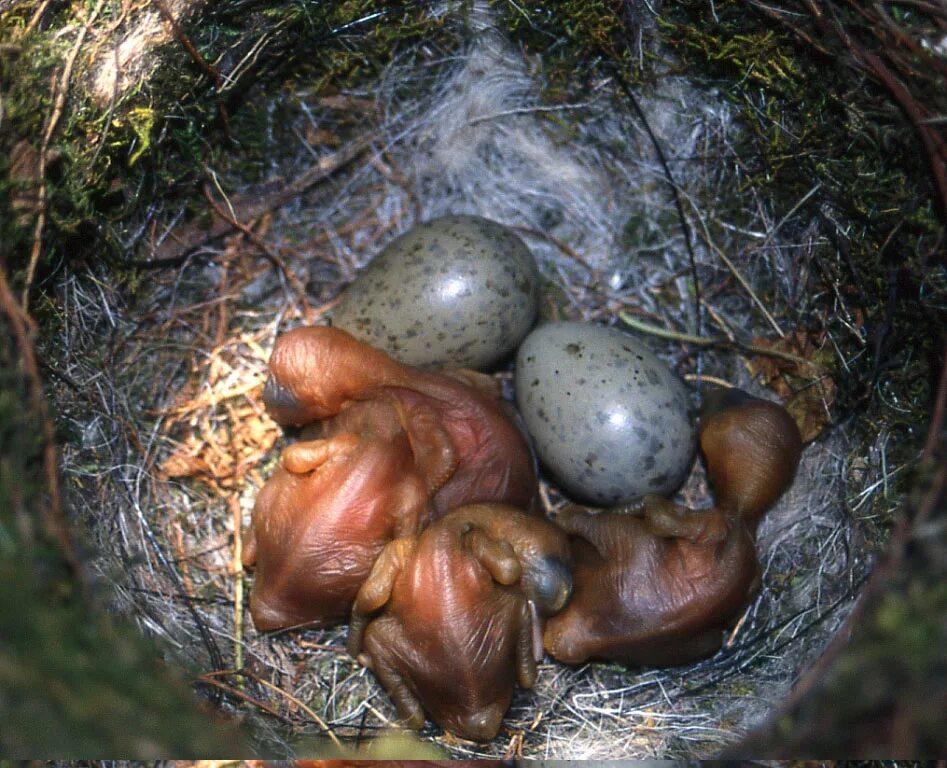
(663, 189)
(172, 444)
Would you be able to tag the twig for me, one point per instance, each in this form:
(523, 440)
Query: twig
(210, 71)
(177, 540)
(208, 679)
(52, 512)
(672, 184)
(905, 39)
(736, 629)
(789, 214)
(708, 240)
(529, 111)
(386, 167)
(709, 379)
(35, 18)
(339, 649)
(318, 720)
(248, 206)
(721, 323)
(223, 315)
(567, 249)
(274, 258)
(703, 341)
(776, 14)
(59, 105)
(386, 721)
(935, 432)
(238, 581)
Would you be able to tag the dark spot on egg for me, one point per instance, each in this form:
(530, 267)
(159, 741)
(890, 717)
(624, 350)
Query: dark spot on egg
(658, 481)
(473, 281)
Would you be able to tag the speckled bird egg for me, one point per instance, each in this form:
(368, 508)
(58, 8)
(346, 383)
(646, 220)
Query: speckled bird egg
(609, 420)
(458, 291)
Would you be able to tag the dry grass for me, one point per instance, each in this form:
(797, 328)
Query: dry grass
(173, 443)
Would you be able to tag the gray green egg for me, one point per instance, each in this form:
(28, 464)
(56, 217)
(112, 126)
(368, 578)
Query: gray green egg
(609, 420)
(459, 291)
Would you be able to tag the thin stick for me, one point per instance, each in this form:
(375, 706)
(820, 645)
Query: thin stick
(723, 325)
(709, 379)
(703, 341)
(206, 679)
(272, 256)
(529, 111)
(936, 429)
(708, 241)
(671, 182)
(238, 581)
(736, 630)
(52, 512)
(568, 250)
(59, 105)
(544, 498)
(339, 649)
(386, 167)
(790, 213)
(200, 61)
(318, 720)
(377, 714)
(249, 206)
(35, 18)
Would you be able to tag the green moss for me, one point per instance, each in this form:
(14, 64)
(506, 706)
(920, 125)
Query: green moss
(809, 121)
(159, 136)
(574, 38)
(901, 649)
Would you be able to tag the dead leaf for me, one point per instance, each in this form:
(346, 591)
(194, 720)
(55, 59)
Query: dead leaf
(806, 389)
(219, 417)
(184, 465)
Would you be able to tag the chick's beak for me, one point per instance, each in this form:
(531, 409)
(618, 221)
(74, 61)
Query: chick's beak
(548, 581)
(280, 402)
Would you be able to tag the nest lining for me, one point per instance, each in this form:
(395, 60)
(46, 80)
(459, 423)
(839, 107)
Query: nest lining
(172, 443)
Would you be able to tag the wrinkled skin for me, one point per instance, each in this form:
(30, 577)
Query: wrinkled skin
(458, 610)
(649, 593)
(393, 448)
(460, 430)
(322, 519)
(659, 584)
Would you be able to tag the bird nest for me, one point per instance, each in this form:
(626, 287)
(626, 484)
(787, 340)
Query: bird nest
(627, 199)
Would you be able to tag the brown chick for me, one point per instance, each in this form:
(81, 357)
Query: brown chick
(321, 520)
(389, 439)
(460, 430)
(658, 584)
(458, 610)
